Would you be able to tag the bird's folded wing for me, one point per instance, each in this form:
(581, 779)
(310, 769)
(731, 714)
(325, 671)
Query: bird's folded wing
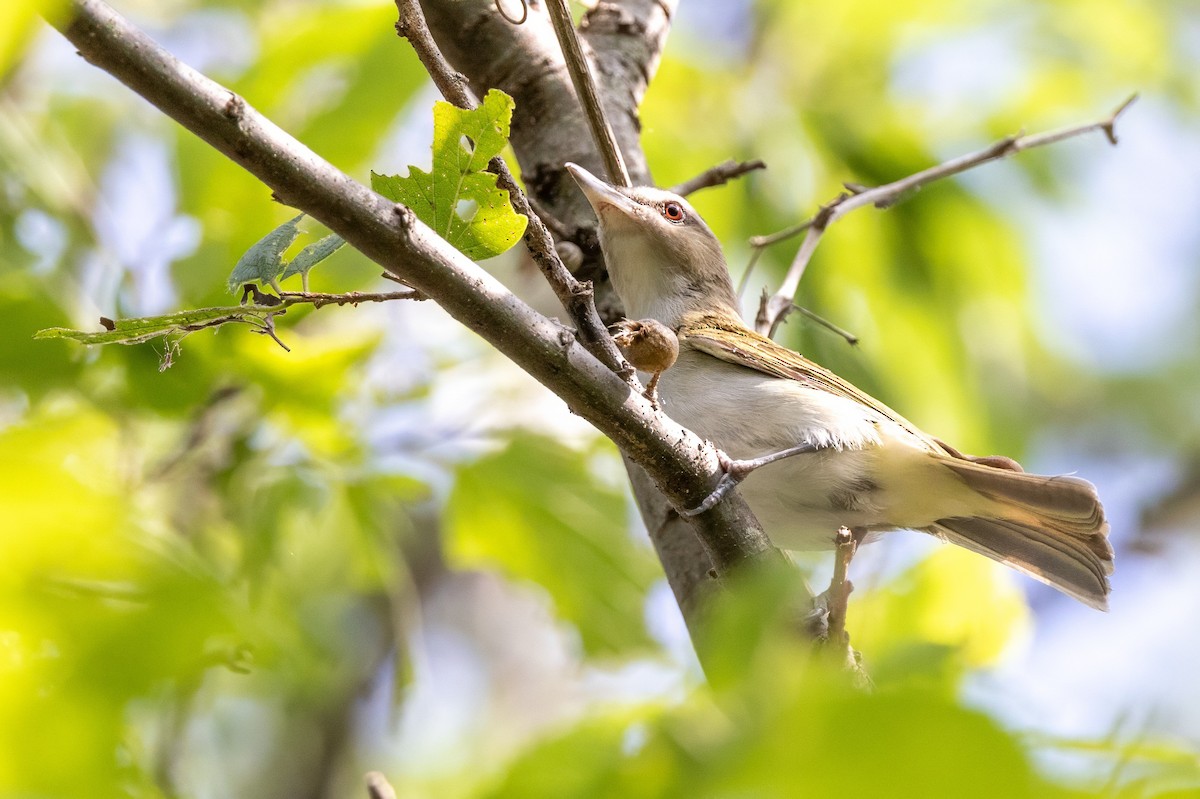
(733, 342)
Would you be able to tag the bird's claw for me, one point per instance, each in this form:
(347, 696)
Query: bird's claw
(735, 472)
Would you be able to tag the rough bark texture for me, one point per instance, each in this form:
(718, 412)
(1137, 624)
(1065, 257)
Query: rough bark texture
(548, 130)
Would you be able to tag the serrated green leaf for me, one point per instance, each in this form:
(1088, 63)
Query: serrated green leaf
(535, 513)
(458, 199)
(263, 262)
(312, 255)
(140, 329)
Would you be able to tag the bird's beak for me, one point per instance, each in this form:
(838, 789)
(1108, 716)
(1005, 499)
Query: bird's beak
(600, 194)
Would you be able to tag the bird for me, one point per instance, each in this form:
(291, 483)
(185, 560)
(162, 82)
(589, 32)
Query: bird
(812, 453)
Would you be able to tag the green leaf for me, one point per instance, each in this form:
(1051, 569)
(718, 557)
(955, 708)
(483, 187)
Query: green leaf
(534, 512)
(263, 262)
(458, 199)
(312, 255)
(140, 329)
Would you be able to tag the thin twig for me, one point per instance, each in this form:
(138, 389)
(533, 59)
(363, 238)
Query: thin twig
(717, 176)
(772, 311)
(319, 299)
(267, 328)
(585, 89)
(759, 243)
(378, 787)
(850, 338)
(755, 254)
(840, 587)
(514, 20)
(576, 297)
(393, 278)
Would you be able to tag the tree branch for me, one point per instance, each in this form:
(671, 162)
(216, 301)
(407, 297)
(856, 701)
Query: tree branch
(319, 299)
(378, 786)
(838, 594)
(586, 91)
(773, 310)
(683, 467)
(717, 176)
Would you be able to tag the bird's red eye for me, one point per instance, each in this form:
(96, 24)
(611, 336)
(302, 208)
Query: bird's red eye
(673, 211)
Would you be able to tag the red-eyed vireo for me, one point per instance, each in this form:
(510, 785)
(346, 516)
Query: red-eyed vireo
(850, 460)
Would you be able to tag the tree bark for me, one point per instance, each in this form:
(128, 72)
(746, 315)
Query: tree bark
(548, 130)
(681, 466)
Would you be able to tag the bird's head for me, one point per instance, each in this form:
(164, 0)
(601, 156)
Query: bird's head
(663, 259)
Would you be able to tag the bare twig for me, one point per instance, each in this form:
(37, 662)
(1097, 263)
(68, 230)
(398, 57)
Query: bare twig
(267, 328)
(839, 587)
(585, 89)
(514, 20)
(378, 787)
(717, 176)
(773, 310)
(576, 296)
(850, 338)
(319, 299)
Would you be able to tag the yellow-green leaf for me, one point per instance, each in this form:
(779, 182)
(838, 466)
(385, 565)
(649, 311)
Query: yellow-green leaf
(458, 199)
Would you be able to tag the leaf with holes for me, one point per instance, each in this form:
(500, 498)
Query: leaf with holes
(458, 199)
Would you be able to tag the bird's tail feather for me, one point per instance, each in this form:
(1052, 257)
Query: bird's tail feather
(1051, 528)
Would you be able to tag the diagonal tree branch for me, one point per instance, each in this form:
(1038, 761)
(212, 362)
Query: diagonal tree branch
(682, 466)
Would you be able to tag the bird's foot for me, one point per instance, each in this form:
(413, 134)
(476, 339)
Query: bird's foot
(735, 472)
(738, 470)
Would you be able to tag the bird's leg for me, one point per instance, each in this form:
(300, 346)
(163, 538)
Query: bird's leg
(845, 544)
(833, 602)
(738, 470)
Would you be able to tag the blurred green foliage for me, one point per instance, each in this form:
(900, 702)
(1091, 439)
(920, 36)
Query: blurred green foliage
(534, 507)
(235, 577)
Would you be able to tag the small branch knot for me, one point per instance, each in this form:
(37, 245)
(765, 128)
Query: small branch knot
(235, 107)
(825, 212)
(405, 216)
(582, 290)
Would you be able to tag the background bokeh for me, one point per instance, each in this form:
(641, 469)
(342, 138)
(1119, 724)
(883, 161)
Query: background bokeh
(228, 570)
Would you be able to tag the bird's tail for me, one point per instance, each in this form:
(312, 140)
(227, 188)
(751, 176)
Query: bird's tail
(1051, 528)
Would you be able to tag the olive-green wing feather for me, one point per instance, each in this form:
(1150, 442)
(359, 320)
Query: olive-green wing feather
(733, 342)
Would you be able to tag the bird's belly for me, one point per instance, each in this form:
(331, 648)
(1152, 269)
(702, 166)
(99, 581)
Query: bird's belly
(801, 501)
